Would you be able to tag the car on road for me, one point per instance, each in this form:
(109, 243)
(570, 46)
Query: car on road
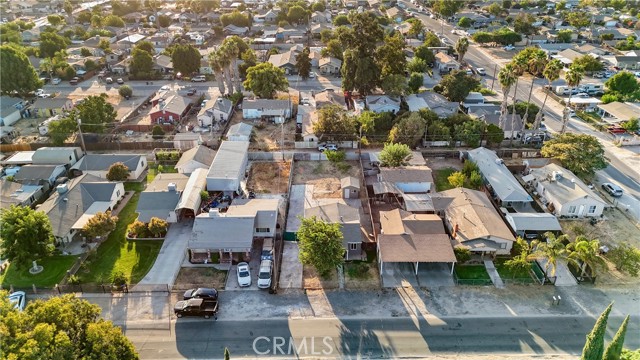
(44, 95)
(165, 88)
(509, 47)
(18, 299)
(305, 101)
(120, 81)
(199, 78)
(196, 307)
(244, 274)
(325, 147)
(582, 95)
(542, 127)
(598, 75)
(264, 276)
(613, 189)
(312, 75)
(56, 81)
(201, 293)
(481, 71)
(191, 92)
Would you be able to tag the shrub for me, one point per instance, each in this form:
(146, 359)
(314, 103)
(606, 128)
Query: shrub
(73, 280)
(358, 270)
(335, 156)
(204, 195)
(118, 278)
(462, 255)
(343, 167)
(138, 229)
(157, 132)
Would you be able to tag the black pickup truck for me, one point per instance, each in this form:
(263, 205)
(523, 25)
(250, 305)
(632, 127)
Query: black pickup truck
(196, 307)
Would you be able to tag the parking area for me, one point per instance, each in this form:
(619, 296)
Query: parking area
(254, 267)
(435, 275)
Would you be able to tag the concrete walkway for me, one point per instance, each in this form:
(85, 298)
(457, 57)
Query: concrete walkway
(564, 277)
(169, 260)
(493, 274)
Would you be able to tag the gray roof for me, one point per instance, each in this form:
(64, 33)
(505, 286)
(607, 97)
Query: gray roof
(415, 248)
(350, 181)
(241, 129)
(566, 189)
(156, 204)
(13, 193)
(56, 155)
(191, 195)
(101, 162)
(50, 103)
(495, 172)
(223, 105)
(231, 232)
(407, 174)
(533, 222)
(228, 163)
(161, 182)
(83, 192)
(495, 120)
(269, 104)
(200, 153)
(30, 173)
(439, 104)
(8, 105)
(334, 213)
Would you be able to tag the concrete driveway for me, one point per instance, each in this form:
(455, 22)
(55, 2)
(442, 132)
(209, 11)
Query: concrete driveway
(169, 260)
(435, 275)
(291, 267)
(254, 267)
(398, 275)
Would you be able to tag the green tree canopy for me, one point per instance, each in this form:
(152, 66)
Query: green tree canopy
(50, 43)
(614, 350)
(146, 46)
(297, 15)
(582, 154)
(334, 124)
(341, 20)
(320, 244)
(594, 346)
(25, 235)
(589, 63)
(16, 72)
(265, 79)
(623, 83)
(394, 85)
(465, 22)
(114, 21)
(118, 172)
(408, 130)
(417, 65)
(456, 85)
(431, 40)
(457, 179)
(95, 112)
(578, 19)
(55, 20)
(141, 63)
(415, 82)
(186, 59)
(523, 24)
(390, 56)
(235, 18)
(395, 154)
(447, 8)
(101, 224)
(424, 53)
(303, 63)
(564, 36)
(125, 91)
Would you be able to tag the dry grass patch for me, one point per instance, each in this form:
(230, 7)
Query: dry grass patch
(269, 177)
(324, 176)
(189, 278)
(361, 276)
(312, 280)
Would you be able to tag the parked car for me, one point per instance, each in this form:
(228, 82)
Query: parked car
(312, 75)
(469, 72)
(44, 95)
(244, 274)
(199, 78)
(598, 75)
(582, 95)
(267, 249)
(56, 81)
(108, 80)
(481, 71)
(196, 307)
(616, 130)
(264, 276)
(325, 147)
(201, 293)
(18, 299)
(613, 189)
(191, 92)
(509, 47)
(39, 92)
(637, 73)
(120, 81)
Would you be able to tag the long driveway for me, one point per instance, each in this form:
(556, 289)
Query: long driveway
(169, 260)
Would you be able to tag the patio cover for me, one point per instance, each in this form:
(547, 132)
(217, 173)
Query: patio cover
(418, 202)
(191, 196)
(416, 248)
(385, 187)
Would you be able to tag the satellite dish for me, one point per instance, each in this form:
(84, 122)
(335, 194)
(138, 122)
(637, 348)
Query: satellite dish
(152, 18)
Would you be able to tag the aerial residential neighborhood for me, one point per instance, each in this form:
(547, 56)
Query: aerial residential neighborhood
(216, 179)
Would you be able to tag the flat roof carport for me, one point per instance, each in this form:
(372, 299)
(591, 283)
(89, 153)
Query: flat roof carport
(415, 248)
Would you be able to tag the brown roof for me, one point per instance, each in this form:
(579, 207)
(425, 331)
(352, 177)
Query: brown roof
(416, 248)
(398, 222)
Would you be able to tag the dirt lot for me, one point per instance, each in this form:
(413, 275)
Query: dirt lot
(443, 163)
(311, 279)
(324, 175)
(615, 229)
(356, 280)
(269, 177)
(189, 278)
(268, 136)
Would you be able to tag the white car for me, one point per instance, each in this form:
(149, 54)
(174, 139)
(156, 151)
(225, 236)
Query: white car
(509, 47)
(18, 300)
(56, 81)
(39, 92)
(244, 275)
(329, 147)
(165, 88)
(264, 277)
(44, 95)
(481, 71)
(312, 75)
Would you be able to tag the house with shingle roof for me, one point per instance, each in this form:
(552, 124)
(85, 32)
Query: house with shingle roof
(199, 157)
(285, 61)
(98, 164)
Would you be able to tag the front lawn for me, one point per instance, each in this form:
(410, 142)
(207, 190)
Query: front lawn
(472, 272)
(506, 273)
(441, 178)
(55, 267)
(133, 258)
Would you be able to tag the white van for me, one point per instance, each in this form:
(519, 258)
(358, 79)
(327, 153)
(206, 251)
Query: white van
(264, 276)
(199, 78)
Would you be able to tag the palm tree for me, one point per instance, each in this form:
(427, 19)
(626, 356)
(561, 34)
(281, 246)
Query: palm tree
(551, 72)
(573, 78)
(232, 52)
(216, 66)
(519, 67)
(225, 62)
(506, 78)
(536, 65)
(585, 254)
(462, 45)
(551, 251)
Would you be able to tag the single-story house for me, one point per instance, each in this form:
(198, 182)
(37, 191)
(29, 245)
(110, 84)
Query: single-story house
(285, 61)
(408, 179)
(75, 202)
(616, 112)
(278, 110)
(475, 224)
(349, 219)
(10, 108)
(532, 225)
(184, 141)
(14, 193)
(219, 109)
(240, 132)
(67, 156)
(46, 107)
(329, 97)
(445, 63)
(98, 164)
(498, 178)
(416, 103)
(45, 175)
(564, 193)
(509, 130)
(160, 198)
(382, 103)
(439, 104)
(330, 65)
(199, 157)
(228, 167)
(170, 109)
(235, 30)
(234, 229)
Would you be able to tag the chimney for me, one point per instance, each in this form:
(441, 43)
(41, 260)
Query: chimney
(455, 230)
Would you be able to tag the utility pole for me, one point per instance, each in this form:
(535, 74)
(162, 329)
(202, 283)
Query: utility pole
(84, 148)
(495, 75)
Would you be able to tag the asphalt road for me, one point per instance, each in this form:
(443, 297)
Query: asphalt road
(366, 338)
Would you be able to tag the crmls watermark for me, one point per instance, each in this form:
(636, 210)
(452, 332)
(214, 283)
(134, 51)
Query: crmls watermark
(279, 345)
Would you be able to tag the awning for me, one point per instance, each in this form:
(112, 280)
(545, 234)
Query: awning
(385, 187)
(413, 248)
(96, 207)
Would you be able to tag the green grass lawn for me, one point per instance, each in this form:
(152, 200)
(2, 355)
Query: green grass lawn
(55, 267)
(507, 273)
(153, 171)
(440, 177)
(134, 258)
(472, 272)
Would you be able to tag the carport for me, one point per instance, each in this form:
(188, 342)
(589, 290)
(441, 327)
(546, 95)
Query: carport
(415, 249)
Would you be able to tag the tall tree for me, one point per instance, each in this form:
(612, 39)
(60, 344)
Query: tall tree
(360, 70)
(408, 130)
(424, 53)
(320, 244)
(303, 63)
(417, 27)
(391, 57)
(447, 8)
(520, 65)
(186, 59)
(415, 82)
(417, 65)
(395, 154)
(573, 78)
(394, 85)
(582, 154)
(26, 235)
(141, 63)
(551, 251)
(146, 46)
(265, 79)
(462, 45)
(95, 112)
(551, 73)
(624, 83)
(456, 85)
(334, 124)
(50, 43)
(614, 350)
(101, 224)
(216, 63)
(594, 345)
(249, 59)
(586, 254)
(16, 72)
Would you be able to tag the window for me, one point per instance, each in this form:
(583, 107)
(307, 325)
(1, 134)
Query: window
(503, 245)
(592, 209)
(572, 209)
(118, 193)
(263, 230)
(353, 246)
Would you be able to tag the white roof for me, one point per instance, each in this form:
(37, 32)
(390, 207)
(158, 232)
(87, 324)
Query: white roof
(504, 184)
(533, 222)
(228, 163)
(190, 198)
(567, 188)
(21, 157)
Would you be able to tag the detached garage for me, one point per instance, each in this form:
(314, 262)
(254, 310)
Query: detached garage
(228, 167)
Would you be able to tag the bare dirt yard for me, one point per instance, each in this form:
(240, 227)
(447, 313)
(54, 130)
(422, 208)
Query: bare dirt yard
(312, 280)
(268, 136)
(189, 278)
(444, 163)
(324, 176)
(269, 177)
(616, 228)
(361, 276)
